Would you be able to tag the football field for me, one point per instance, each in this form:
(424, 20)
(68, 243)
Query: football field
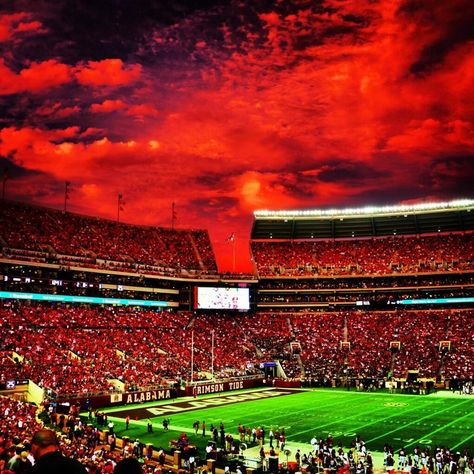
(442, 419)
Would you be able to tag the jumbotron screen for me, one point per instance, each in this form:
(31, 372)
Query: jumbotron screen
(211, 297)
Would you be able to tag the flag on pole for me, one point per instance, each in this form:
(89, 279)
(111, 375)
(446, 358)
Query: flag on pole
(121, 202)
(174, 216)
(66, 194)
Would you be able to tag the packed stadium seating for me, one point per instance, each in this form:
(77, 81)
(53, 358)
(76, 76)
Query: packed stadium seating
(80, 350)
(419, 334)
(73, 350)
(40, 234)
(458, 361)
(320, 336)
(17, 424)
(76, 440)
(380, 256)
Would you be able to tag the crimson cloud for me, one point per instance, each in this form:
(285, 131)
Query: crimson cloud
(226, 107)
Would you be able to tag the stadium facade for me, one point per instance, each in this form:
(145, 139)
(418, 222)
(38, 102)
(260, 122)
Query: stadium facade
(338, 296)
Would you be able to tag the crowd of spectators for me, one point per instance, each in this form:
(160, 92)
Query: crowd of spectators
(328, 456)
(320, 336)
(75, 439)
(458, 360)
(420, 334)
(40, 233)
(80, 350)
(22, 424)
(17, 424)
(376, 256)
(270, 332)
(221, 337)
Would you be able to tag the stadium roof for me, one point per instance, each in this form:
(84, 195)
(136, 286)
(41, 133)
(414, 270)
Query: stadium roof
(424, 218)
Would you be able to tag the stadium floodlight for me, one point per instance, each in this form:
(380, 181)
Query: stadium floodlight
(406, 209)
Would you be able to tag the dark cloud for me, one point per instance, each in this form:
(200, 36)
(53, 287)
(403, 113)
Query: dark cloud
(214, 204)
(351, 18)
(386, 195)
(451, 176)
(447, 25)
(35, 186)
(350, 172)
(98, 30)
(211, 208)
(434, 54)
(12, 170)
(213, 180)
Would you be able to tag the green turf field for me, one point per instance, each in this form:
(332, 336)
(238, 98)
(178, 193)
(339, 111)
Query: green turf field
(401, 420)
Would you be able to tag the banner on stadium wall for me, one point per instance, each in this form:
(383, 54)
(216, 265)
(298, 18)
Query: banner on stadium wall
(217, 387)
(140, 397)
(117, 399)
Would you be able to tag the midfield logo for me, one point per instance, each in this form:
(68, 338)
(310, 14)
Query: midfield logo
(243, 397)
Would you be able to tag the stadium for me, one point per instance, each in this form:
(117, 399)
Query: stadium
(236, 237)
(349, 348)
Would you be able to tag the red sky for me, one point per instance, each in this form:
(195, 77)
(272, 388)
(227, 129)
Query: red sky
(234, 106)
